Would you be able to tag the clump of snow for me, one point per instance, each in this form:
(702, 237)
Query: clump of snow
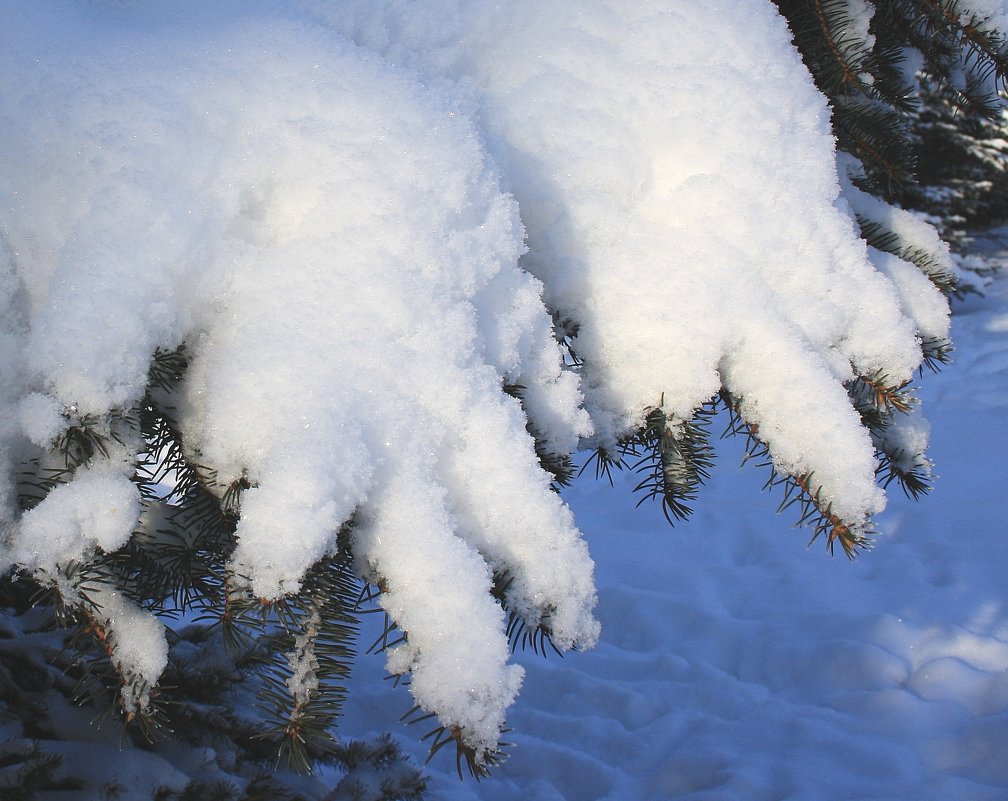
(303, 662)
(136, 642)
(860, 13)
(681, 206)
(41, 417)
(921, 300)
(97, 509)
(905, 438)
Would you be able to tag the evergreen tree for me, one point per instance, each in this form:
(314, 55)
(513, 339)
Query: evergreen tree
(919, 88)
(153, 493)
(962, 166)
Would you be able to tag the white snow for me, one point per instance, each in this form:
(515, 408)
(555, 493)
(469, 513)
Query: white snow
(736, 664)
(356, 240)
(330, 237)
(41, 418)
(922, 301)
(992, 14)
(860, 13)
(98, 509)
(681, 204)
(137, 645)
(906, 439)
(303, 662)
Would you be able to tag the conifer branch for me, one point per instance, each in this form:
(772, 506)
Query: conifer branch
(875, 135)
(878, 393)
(832, 16)
(521, 633)
(799, 491)
(27, 771)
(911, 471)
(880, 406)
(306, 662)
(603, 461)
(674, 458)
(478, 763)
(886, 240)
(951, 38)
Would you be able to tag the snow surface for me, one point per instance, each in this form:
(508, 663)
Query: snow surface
(736, 665)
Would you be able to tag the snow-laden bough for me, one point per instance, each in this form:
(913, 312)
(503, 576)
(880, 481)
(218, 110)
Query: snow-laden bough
(683, 206)
(363, 244)
(329, 237)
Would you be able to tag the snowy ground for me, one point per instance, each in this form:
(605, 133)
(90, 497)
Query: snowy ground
(735, 663)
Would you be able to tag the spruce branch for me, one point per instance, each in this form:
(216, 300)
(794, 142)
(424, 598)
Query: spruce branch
(376, 770)
(800, 492)
(949, 19)
(106, 680)
(673, 457)
(306, 661)
(878, 393)
(168, 368)
(478, 763)
(565, 330)
(839, 62)
(911, 471)
(952, 40)
(881, 238)
(880, 408)
(27, 771)
(865, 81)
(603, 460)
(81, 440)
(522, 633)
(162, 470)
(36, 479)
(876, 135)
(297, 650)
(937, 351)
